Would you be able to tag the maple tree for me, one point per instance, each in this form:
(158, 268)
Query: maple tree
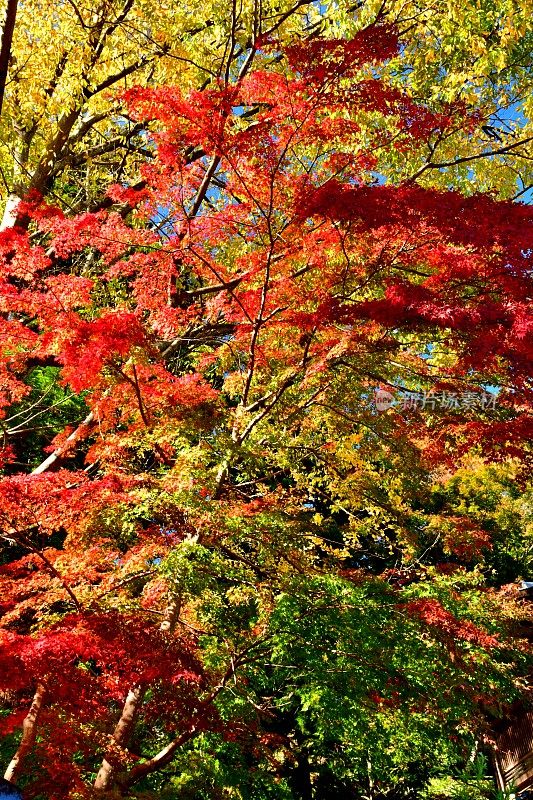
(65, 134)
(229, 556)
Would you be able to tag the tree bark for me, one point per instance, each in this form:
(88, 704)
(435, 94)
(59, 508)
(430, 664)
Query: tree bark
(29, 732)
(53, 457)
(130, 710)
(121, 734)
(9, 218)
(5, 49)
(160, 760)
(172, 614)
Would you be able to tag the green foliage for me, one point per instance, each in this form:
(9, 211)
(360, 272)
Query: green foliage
(47, 409)
(471, 783)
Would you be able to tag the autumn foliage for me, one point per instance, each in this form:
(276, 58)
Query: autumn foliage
(226, 523)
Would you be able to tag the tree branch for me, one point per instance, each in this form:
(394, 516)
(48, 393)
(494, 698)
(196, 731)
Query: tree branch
(58, 452)
(29, 733)
(466, 159)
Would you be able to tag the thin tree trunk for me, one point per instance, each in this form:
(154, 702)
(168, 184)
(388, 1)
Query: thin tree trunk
(121, 733)
(5, 49)
(9, 218)
(21, 154)
(134, 698)
(29, 732)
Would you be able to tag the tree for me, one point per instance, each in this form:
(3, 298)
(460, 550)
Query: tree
(232, 544)
(64, 134)
(63, 131)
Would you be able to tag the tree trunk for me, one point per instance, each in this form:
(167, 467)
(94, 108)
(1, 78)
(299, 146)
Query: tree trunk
(18, 189)
(126, 723)
(121, 733)
(172, 614)
(9, 218)
(29, 732)
(5, 49)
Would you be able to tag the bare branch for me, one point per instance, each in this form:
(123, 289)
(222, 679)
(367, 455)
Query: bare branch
(467, 159)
